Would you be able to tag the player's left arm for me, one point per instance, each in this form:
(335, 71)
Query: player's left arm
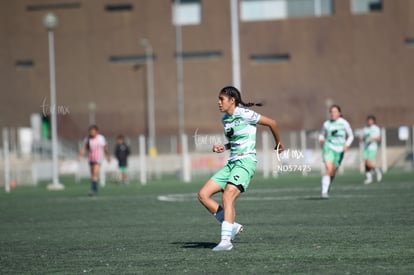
(377, 136)
(350, 136)
(105, 148)
(272, 124)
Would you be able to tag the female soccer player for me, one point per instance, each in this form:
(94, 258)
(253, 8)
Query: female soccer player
(95, 143)
(233, 179)
(336, 136)
(371, 137)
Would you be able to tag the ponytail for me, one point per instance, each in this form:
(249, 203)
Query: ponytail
(232, 92)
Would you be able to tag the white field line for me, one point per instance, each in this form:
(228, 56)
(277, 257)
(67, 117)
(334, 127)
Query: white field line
(312, 190)
(187, 197)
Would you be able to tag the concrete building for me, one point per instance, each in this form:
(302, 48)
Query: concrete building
(296, 56)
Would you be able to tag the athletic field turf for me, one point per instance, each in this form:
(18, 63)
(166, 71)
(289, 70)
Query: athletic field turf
(161, 228)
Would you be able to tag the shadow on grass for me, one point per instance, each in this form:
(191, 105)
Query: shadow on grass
(313, 199)
(196, 244)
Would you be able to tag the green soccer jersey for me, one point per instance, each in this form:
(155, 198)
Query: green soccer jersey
(336, 134)
(240, 130)
(371, 132)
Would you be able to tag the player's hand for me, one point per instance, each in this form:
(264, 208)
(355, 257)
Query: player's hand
(345, 148)
(218, 148)
(279, 148)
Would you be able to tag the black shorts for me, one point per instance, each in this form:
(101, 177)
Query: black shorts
(93, 163)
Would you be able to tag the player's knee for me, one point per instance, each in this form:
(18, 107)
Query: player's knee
(202, 196)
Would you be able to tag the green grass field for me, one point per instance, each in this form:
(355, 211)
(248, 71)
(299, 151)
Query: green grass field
(288, 229)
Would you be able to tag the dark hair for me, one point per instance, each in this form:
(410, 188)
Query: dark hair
(372, 117)
(120, 137)
(232, 92)
(93, 127)
(337, 107)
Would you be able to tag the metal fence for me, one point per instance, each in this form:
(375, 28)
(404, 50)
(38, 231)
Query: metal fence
(191, 155)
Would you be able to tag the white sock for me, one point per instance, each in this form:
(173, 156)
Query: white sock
(378, 174)
(326, 181)
(368, 176)
(226, 230)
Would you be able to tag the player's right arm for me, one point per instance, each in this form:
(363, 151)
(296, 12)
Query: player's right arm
(322, 134)
(83, 150)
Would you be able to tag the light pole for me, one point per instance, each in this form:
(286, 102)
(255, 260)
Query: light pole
(182, 138)
(150, 96)
(235, 43)
(179, 57)
(328, 104)
(50, 22)
(92, 110)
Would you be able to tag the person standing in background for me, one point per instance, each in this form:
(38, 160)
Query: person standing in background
(122, 152)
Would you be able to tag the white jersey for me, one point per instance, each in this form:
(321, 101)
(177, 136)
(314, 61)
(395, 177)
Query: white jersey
(371, 132)
(95, 147)
(240, 130)
(337, 134)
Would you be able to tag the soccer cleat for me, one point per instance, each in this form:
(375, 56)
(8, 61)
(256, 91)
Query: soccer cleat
(223, 246)
(324, 196)
(379, 176)
(237, 229)
(368, 181)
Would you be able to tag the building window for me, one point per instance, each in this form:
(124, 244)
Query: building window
(201, 55)
(58, 6)
(187, 12)
(269, 58)
(130, 59)
(409, 42)
(118, 7)
(24, 64)
(260, 10)
(366, 6)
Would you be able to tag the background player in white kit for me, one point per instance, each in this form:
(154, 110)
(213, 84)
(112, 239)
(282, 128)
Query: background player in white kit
(336, 136)
(371, 137)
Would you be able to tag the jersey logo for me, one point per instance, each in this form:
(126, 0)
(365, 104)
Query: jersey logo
(229, 132)
(236, 177)
(254, 116)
